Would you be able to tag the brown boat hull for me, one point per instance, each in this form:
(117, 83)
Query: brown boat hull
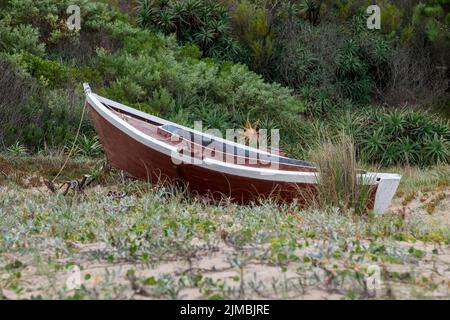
(145, 163)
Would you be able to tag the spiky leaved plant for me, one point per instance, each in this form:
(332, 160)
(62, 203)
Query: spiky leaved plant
(436, 149)
(17, 150)
(205, 23)
(89, 146)
(374, 145)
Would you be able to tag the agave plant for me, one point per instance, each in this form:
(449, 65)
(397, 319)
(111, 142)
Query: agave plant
(310, 10)
(17, 150)
(190, 6)
(204, 23)
(442, 128)
(390, 156)
(374, 146)
(436, 149)
(407, 151)
(415, 121)
(89, 146)
(220, 26)
(213, 116)
(179, 10)
(167, 21)
(146, 13)
(423, 125)
(205, 36)
(268, 124)
(350, 123)
(395, 122)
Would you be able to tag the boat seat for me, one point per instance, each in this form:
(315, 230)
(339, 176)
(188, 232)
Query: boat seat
(229, 148)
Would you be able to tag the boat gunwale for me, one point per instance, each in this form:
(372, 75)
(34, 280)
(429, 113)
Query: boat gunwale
(211, 164)
(236, 157)
(157, 120)
(172, 151)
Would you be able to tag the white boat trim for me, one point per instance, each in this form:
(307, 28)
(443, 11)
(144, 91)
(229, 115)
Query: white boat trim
(150, 117)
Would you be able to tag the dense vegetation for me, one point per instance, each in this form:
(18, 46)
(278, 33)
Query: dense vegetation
(310, 68)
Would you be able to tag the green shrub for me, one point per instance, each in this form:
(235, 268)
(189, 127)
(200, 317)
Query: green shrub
(55, 74)
(245, 91)
(296, 64)
(398, 137)
(203, 22)
(391, 17)
(16, 89)
(434, 15)
(148, 72)
(20, 38)
(361, 61)
(50, 15)
(329, 64)
(253, 27)
(31, 26)
(48, 118)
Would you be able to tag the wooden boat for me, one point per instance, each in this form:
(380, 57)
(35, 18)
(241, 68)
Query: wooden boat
(148, 147)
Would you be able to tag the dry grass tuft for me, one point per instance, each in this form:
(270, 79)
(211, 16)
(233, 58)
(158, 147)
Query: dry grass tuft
(339, 182)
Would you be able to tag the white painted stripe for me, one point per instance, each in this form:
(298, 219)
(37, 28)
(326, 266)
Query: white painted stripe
(163, 121)
(169, 150)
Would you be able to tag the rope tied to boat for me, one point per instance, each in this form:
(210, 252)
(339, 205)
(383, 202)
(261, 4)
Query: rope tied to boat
(73, 144)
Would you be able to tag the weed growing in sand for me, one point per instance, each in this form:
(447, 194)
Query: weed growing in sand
(340, 183)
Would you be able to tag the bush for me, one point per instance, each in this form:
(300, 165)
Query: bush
(381, 137)
(434, 15)
(49, 16)
(55, 74)
(45, 118)
(398, 137)
(298, 62)
(416, 77)
(362, 63)
(253, 27)
(329, 63)
(33, 26)
(20, 38)
(332, 64)
(148, 69)
(392, 17)
(202, 22)
(16, 88)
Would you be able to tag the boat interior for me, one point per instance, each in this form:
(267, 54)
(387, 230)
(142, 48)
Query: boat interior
(202, 145)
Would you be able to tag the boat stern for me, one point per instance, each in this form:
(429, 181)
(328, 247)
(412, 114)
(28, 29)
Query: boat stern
(386, 187)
